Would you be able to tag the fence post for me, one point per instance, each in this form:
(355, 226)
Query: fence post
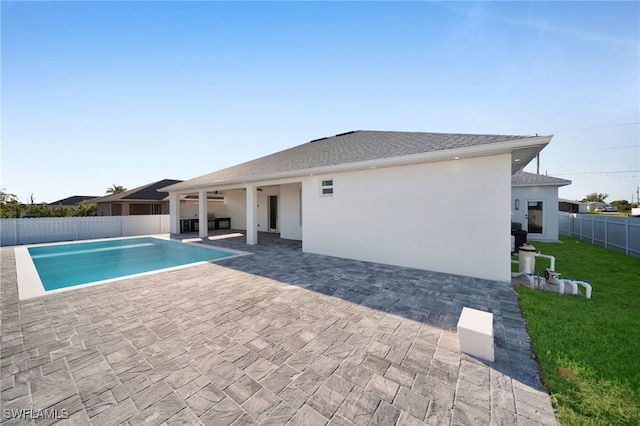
(606, 232)
(571, 221)
(593, 231)
(627, 243)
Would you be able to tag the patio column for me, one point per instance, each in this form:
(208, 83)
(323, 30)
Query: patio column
(203, 214)
(174, 213)
(252, 215)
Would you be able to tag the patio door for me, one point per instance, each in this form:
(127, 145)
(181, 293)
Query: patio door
(273, 213)
(534, 217)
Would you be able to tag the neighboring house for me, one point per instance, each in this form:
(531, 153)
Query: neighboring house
(570, 206)
(403, 198)
(143, 200)
(535, 204)
(73, 201)
(595, 206)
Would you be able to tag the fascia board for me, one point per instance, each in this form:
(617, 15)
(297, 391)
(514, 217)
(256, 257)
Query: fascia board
(523, 185)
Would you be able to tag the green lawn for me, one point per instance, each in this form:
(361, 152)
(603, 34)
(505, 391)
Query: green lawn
(598, 340)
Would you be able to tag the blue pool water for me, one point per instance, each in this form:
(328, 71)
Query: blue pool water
(67, 265)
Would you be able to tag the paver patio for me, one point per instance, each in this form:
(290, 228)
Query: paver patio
(277, 337)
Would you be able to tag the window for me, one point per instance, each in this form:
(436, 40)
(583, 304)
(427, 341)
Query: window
(156, 208)
(327, 187)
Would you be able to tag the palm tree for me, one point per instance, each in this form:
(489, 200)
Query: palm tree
(116, 189)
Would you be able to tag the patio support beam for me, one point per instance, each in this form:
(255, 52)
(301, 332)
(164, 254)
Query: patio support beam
(174, 213)
(252, 215)
(203, 228)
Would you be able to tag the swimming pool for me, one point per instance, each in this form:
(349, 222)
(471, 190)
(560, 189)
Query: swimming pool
(63, 266)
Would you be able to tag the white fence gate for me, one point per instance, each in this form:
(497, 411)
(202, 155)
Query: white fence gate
(612, 232)
(50, 229)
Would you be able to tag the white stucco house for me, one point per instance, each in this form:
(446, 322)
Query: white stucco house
(433, 201)
(534, 204)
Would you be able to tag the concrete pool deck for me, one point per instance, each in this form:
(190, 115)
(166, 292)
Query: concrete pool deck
(277, 337)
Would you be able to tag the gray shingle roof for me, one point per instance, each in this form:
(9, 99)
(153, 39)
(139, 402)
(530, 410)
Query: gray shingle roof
(347, 148)
(148, 192)
(74, 200)
(531, 179)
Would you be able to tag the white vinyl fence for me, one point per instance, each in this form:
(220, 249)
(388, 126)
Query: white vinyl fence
(612, 232)
(50, 229)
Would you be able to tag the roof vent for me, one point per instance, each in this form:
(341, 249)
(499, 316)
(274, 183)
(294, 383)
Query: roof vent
(339, 134)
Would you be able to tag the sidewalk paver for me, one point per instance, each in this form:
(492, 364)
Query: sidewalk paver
(276, 337)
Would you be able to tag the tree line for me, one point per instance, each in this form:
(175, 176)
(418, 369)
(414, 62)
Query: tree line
(11, 207)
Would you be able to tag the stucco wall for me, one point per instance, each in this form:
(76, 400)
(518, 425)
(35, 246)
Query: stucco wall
(263, 206)
(190, 209)
(449, 216)
(290, 226)
(236, 203)
(549, 196)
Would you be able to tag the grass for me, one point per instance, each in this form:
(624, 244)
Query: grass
(596, 342)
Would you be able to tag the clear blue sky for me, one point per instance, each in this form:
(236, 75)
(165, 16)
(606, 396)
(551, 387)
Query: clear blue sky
(95, 94)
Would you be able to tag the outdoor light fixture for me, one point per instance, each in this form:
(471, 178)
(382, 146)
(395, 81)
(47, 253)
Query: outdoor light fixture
(517, 204)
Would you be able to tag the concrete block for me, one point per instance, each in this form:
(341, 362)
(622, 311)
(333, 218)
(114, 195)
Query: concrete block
(475, 331)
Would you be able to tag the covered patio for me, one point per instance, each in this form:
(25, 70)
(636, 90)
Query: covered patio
(277, 337)
(256, 209)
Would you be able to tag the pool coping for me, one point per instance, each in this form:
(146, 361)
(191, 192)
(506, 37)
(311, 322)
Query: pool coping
(30, 285)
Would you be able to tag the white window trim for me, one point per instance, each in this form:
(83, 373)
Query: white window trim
(326, 184)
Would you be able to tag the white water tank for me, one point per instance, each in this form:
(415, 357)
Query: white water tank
(527, 258)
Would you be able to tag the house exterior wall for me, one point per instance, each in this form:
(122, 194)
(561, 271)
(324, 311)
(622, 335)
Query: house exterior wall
(190, 209)
(110, 209)
(290, 217)
(236, 203)
(549, 196)
(126, 208)
(103, 210)
(416, 216)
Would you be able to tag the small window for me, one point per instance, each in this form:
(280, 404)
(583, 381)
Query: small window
(327, 187)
